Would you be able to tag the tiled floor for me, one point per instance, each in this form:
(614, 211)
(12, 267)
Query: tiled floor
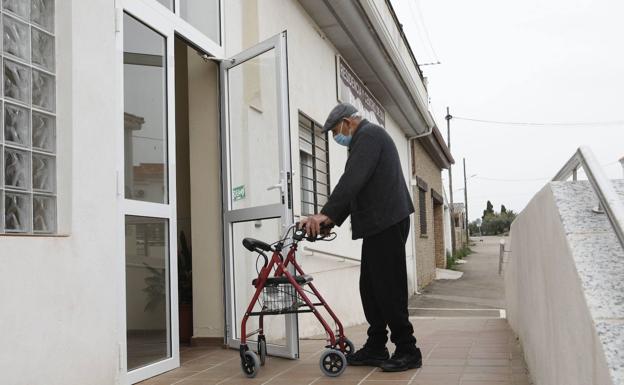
(456, 351)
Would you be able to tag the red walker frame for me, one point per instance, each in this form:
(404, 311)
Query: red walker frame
(335, 339)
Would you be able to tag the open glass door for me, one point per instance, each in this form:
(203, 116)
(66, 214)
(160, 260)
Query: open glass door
(256, 176)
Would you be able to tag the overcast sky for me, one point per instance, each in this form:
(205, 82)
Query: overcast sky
(521, 61)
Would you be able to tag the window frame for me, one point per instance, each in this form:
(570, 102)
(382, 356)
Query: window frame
(423, 187)
(188, 30)
(422, 211)
(312, 126)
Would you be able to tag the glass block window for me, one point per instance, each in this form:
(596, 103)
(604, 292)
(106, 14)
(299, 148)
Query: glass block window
(28, 118)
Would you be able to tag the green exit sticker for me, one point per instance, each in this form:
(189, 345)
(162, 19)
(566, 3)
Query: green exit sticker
(238, 192)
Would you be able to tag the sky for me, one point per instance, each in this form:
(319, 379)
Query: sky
(529, 61)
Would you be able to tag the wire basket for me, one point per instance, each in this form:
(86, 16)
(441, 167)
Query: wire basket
(280, 297)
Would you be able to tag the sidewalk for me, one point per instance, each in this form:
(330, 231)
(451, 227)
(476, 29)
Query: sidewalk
(459, 347)
(456, 351)
(479, 288)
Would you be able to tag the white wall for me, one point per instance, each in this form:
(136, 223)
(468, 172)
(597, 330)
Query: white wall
(312, 90)
(60, 295)
(205, 173)
(546, 304)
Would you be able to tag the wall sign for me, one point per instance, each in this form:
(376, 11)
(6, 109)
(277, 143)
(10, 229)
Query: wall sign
(238, 193)
(351, 90)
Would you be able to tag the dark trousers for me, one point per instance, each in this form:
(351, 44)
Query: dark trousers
(383, 287)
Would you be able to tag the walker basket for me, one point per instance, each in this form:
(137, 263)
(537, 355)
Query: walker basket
(278, 298)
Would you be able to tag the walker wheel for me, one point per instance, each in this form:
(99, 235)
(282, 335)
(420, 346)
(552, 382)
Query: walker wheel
(262, 350)
(349, 347)
(250, 364)
(333, 362)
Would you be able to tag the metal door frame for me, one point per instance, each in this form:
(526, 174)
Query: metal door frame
(280, 210)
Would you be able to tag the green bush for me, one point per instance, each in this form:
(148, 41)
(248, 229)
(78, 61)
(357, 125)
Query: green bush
(451, 261)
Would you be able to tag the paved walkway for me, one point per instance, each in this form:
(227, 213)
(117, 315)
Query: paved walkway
(457, 350)
(479, 288)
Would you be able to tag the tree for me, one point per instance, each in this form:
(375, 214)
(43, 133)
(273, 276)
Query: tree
(494, 223)
(489, 210)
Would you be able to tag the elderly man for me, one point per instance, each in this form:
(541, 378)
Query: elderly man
(373, 191)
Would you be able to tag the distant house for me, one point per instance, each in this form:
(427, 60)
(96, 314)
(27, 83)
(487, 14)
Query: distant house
(459, 225)
(430, 155)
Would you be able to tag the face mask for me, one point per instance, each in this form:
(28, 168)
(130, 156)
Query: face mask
(341, 139)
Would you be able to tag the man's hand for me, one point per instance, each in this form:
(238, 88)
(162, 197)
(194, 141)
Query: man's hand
(312, 224)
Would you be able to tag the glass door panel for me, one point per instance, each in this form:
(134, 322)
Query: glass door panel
(246, 267)
(254, 132)
(145, 113)
(148, 324)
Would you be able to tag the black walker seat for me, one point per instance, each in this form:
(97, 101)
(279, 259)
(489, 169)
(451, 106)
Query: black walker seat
(254, 244)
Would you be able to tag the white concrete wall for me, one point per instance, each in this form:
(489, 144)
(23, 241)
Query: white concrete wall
(206, 221)
(59, 318)
(546, 304)
(312, 90)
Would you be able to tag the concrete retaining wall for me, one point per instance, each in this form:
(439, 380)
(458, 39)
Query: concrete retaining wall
(546, 301)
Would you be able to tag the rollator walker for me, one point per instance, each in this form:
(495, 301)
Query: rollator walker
(279, 292)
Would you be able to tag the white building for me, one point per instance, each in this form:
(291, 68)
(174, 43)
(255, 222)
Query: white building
(128, 122)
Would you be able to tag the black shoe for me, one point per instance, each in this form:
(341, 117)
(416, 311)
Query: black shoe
(403, 360)
(368, 357)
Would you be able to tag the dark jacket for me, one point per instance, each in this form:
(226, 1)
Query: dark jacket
(372, 188)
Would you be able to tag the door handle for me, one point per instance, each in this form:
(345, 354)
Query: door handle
(279, 186)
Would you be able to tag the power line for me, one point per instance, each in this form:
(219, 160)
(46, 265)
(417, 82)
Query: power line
(422, 21)
(564, 124)
(417, 15)
(511, 180)
(529, 179)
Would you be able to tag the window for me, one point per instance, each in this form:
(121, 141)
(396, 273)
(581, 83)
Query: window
(314, 161)
(167, 3)
(413, 155)
(422, 205)
(28, 136)
(205, 15)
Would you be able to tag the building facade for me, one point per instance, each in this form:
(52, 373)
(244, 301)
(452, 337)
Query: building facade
(430, 155)
(133, 127)
(459, 225)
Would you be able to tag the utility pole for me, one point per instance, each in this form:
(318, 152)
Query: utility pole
(448, 118)
(466, 202)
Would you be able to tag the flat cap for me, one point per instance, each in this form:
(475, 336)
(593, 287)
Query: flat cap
(342, 110)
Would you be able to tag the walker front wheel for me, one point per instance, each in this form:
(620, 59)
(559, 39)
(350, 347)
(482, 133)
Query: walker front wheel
(349, 348)
(262, 350)
(333, 362)
(250, 364)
